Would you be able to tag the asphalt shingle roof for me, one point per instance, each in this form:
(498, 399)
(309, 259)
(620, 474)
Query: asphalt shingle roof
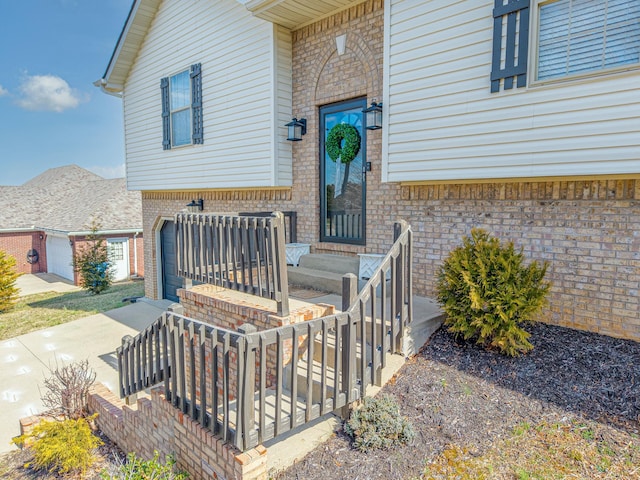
(67, 199)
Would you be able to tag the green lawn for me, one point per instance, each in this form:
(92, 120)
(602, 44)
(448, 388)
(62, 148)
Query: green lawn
(42, 310)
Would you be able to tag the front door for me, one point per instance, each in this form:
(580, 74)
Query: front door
(342, 176)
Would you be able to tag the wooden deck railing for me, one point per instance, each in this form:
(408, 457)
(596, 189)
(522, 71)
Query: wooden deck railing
(290, 223)
(246, 254)
(249, 386)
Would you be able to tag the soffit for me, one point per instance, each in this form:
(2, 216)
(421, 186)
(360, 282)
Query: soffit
(294, 13)
(133, 33)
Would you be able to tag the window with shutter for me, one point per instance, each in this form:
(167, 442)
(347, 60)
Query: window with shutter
(196, 103)
(510, 44)
(576, 37)
(182, 108)
(166, 128)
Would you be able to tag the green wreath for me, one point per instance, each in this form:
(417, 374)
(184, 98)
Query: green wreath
(351, 147)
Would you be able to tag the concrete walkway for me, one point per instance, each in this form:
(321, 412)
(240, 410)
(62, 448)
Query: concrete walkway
(44, 282)
(25, 360)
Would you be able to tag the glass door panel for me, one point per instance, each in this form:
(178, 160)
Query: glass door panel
(342, 185)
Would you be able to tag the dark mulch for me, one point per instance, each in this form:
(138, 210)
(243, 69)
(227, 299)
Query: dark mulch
(457, 393)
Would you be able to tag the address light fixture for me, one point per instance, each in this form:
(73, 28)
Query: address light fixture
(373, 116)
(296, 129)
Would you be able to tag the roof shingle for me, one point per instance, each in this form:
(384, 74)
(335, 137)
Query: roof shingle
(67, 199)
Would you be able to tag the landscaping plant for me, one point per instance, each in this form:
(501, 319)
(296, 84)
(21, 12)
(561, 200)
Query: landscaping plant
(61, 447)
(67, 390)
(92, 263)
(377, 423)
(137, 469)
(8, 277)
(488, 293)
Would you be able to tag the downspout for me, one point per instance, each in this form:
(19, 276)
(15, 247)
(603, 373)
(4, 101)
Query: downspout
(135, 255)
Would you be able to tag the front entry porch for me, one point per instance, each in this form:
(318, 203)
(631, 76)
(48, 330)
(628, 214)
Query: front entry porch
(247, 361)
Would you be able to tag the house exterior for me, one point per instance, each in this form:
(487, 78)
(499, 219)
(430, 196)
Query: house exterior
(45, 221)
(520, 117)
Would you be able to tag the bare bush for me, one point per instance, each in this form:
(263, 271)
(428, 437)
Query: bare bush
(67, 389)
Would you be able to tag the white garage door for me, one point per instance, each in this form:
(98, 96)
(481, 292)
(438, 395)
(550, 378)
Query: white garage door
(59, 258)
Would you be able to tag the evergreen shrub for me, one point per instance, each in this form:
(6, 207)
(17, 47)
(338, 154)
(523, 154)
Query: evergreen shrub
(488, 293)
(377, 424)
(92, 263)
(8, 277)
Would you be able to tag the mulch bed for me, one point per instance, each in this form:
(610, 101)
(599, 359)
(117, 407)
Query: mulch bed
(456, 393)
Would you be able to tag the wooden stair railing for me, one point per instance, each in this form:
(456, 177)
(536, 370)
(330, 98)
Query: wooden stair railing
(251, 386)
(241, 253)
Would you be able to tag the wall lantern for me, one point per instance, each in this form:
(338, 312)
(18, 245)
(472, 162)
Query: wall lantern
(195, 206)
(296, 128)
(373, 115)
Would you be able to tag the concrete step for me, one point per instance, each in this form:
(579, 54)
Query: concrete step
(340, 264)
(322, 280)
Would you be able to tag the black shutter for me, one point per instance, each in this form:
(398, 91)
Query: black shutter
(196, 104)
(166, 111)
(510, 9)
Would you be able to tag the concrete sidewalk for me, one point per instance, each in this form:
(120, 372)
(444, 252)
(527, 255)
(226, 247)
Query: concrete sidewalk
(44, 282)
(25, 360)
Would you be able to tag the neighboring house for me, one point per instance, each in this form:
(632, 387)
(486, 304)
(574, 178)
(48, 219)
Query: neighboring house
(46, 220)
(523, 119)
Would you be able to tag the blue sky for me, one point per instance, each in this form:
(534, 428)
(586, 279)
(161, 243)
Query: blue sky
(51, 52)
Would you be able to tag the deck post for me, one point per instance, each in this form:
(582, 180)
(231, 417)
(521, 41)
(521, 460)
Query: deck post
(246, 403)
(280, 264)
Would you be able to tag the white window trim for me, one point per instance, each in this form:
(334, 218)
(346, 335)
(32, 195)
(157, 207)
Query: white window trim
(572, 78)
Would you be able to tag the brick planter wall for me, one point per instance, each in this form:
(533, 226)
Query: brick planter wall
(154, 424)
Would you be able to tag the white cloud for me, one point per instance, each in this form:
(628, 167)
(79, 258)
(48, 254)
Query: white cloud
(3, 91)
(47, 92)
(117, 171)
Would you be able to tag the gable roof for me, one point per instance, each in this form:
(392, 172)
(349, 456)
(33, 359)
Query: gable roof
(67, 199)
(135, 29)
(288, 13)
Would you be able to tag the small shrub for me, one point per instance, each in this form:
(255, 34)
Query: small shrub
(67, 390)
(138, 469)
(377, 423)
(487, 293)
(8, 277)
(92, 263)
(61, 447)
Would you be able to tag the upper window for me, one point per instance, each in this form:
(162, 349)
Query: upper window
(581, 36)
(182, 108)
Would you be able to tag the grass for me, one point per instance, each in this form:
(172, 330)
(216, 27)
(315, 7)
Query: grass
(566, 450)
(43, 310)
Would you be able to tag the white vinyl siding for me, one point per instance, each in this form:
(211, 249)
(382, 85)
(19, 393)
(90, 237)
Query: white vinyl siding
(283, 106)
(442, 123)
(236, 52)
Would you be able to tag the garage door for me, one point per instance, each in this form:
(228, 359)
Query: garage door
(170, 281)
(59, 257)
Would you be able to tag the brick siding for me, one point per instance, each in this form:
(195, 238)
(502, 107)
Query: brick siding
(18, 244)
